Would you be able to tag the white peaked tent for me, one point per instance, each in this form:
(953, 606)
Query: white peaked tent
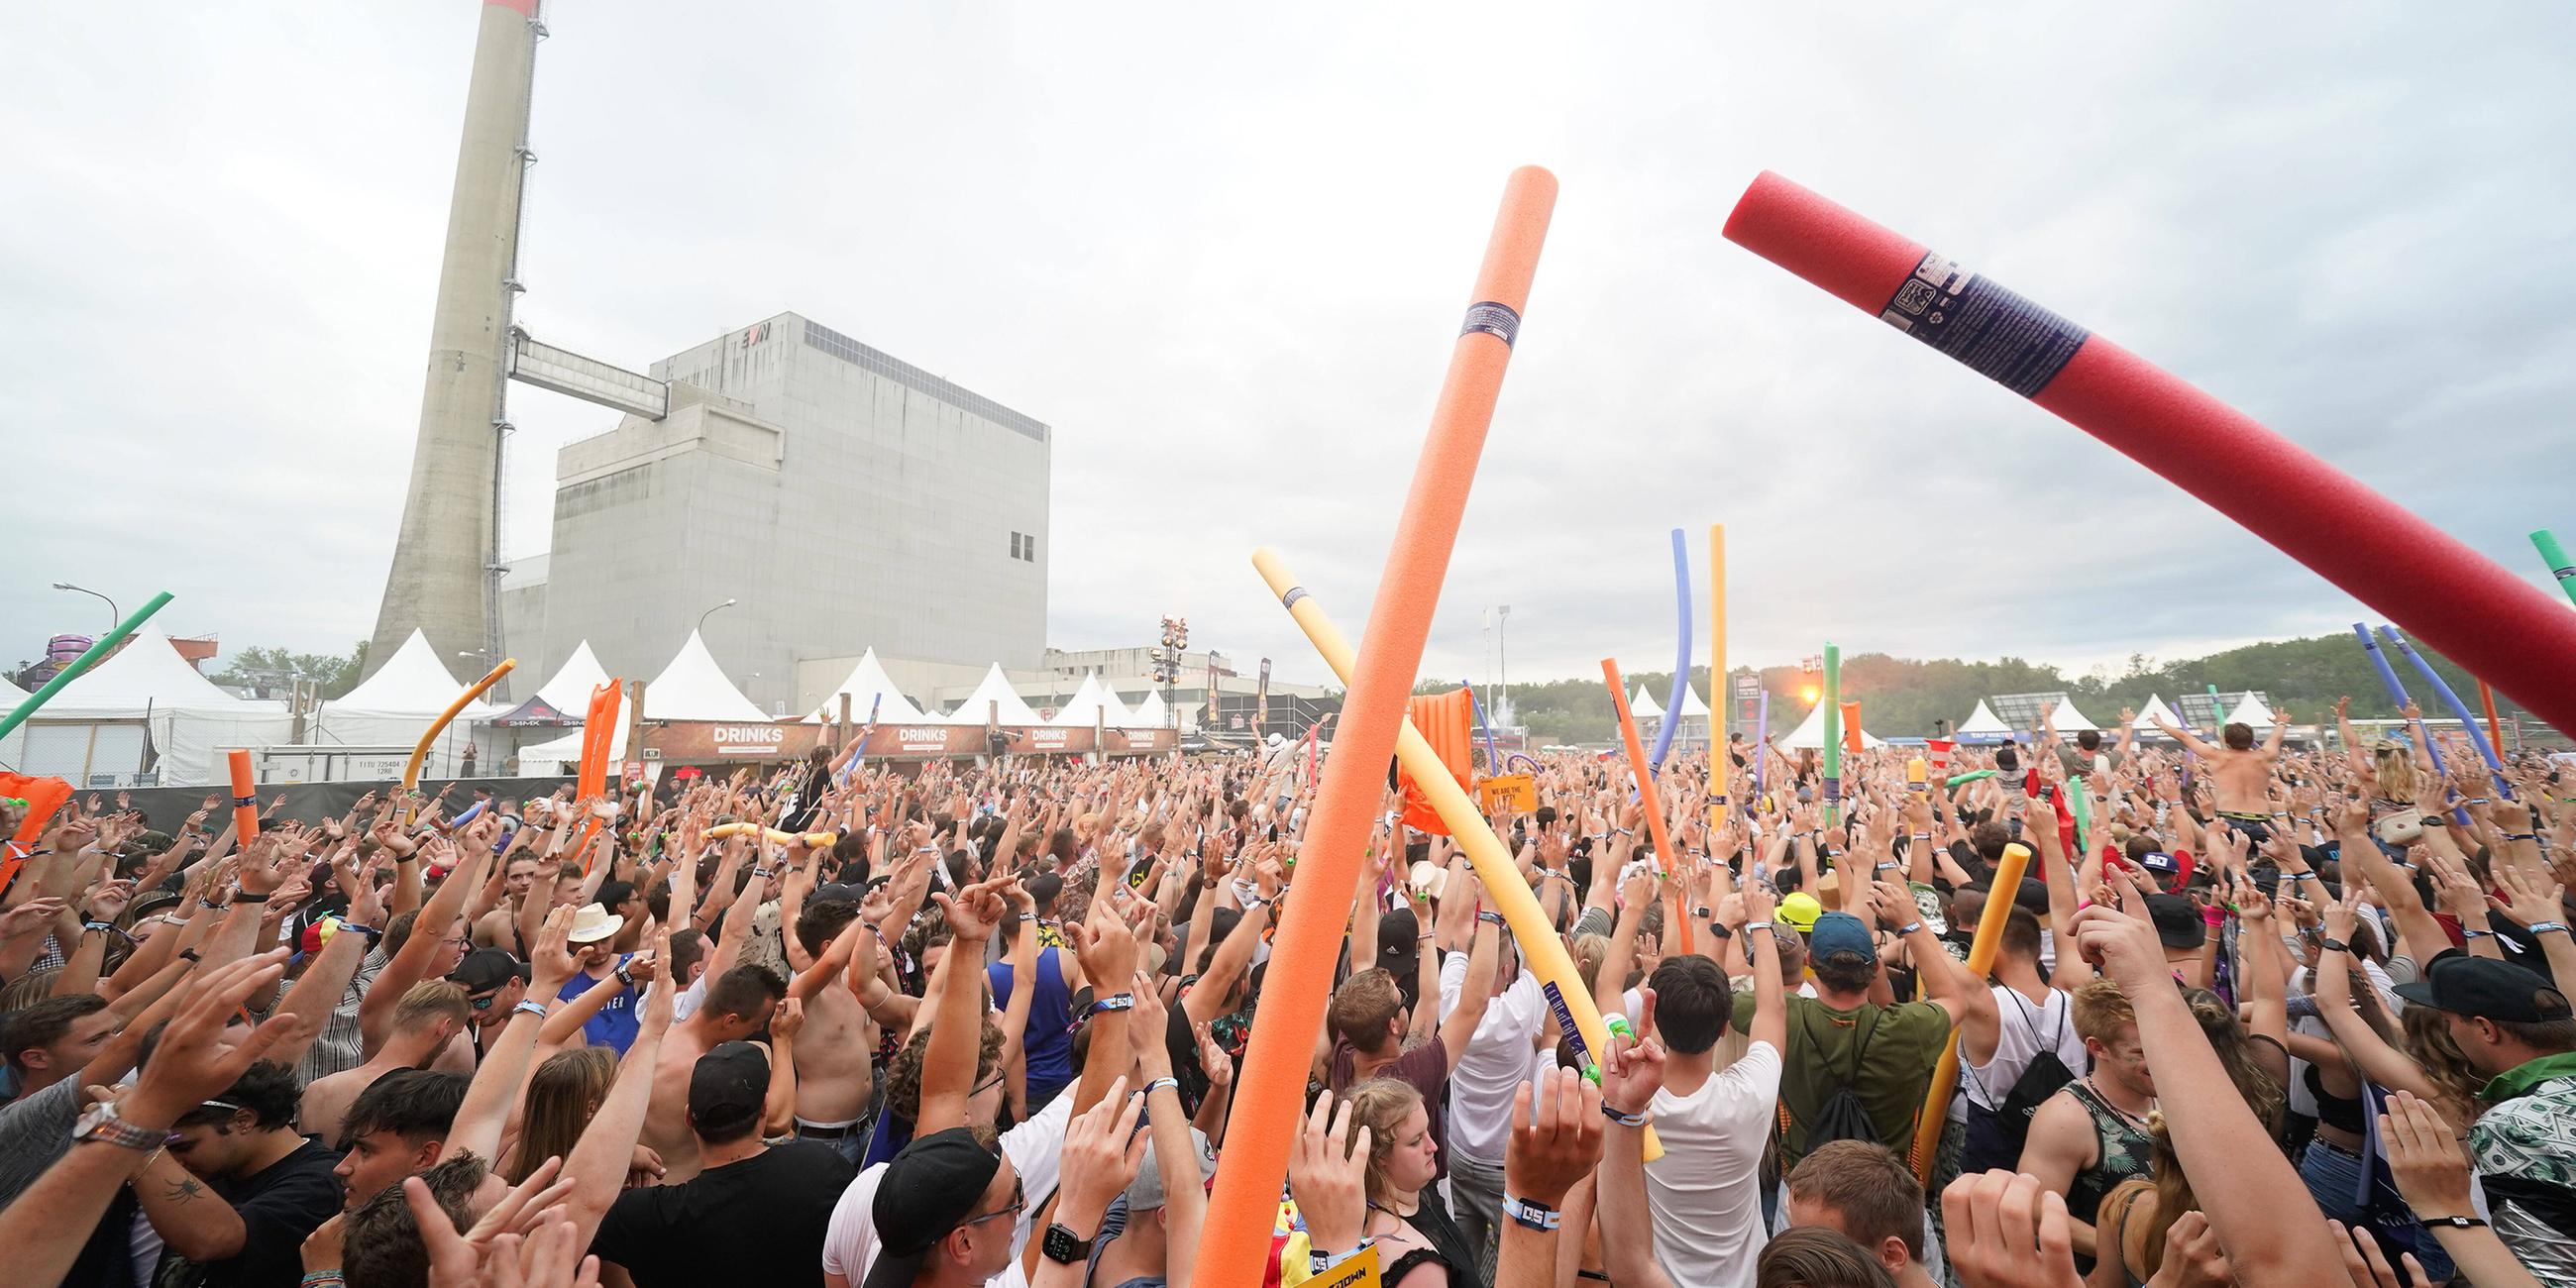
(101, 720)
(411, 682)
(570, 689)
(1642, 705)
(1083, 707)
(1981, 723)
(2068, 719)
(396, 705)
(1691, 705)
(1811, 732)
(869, 687)
(980, 705)
(2156, 709)
(2251, 713)
(1114, 713)
(692, 687)
(1150, 713)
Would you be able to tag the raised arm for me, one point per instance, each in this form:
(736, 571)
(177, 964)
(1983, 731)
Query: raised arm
(376, 1009)
(598, 1166)
(504, 1070)
(2186, 737)
(2272, 1230)
(1478, 992)
(1630, 1077)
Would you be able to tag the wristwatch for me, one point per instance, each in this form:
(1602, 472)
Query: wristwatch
(1063, 1247)
(101, 1123)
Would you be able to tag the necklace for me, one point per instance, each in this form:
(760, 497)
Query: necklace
(1376, 1206)
(2135, 1120)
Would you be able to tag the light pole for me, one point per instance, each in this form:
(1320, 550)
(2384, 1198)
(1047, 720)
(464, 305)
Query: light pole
(702, 617)
(1503, 651)
(113, 617)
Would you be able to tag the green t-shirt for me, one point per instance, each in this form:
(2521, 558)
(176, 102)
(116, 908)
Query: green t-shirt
(1826, 1047)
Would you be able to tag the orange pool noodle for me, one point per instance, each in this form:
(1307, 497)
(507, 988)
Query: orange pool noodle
(1245, 1206)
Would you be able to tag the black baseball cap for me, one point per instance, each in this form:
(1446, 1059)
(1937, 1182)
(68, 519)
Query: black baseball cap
(485, 969)
(2487, 989)
(728, 1087)
(2178, 921)
(929, 1188)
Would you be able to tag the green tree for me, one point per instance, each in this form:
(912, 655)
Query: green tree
(270, 672)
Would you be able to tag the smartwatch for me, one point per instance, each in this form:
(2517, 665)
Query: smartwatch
(1063, 1247)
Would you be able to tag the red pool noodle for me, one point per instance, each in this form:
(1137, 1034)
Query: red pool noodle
(1268, 1097)
(2444, 593)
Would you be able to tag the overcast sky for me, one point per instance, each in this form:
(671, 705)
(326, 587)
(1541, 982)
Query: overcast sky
(1223, 250)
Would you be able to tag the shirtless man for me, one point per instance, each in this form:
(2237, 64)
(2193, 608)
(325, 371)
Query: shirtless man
(430, 1015)
(2240, 771)
(499, 928)
(739, 1004)
(836, 1077)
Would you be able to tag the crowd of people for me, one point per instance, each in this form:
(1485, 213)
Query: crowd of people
(2248, 1014)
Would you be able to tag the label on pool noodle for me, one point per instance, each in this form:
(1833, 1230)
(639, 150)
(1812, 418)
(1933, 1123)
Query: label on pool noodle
(1496, 320)
(1991, 330)
(1565, 1023)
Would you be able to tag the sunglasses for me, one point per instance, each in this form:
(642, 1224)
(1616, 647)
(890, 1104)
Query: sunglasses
(483, 1001)
(1019, 1204)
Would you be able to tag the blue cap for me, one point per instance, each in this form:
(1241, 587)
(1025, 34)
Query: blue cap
(1839, 932)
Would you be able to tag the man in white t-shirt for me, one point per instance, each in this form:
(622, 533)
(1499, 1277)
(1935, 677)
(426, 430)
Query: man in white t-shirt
(1035, 1148)
(1495, 1064)
(1705, 1193)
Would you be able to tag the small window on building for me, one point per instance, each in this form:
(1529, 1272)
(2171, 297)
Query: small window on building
(1015, 545)
(1029, 547)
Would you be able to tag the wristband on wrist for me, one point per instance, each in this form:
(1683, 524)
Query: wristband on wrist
(1764, 925)
(1625, 1120)
(1532, 1214)
(2544, 927)
(1489, 918)
(531, 1006)
(2213, 915)
(1160, 1083)
(1908, 928)
(2455, 1222)
(245, 896)
(1114, 1002)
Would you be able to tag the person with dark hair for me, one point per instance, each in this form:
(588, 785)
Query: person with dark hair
(51, 1040)
(238, 1188)
(396, 1128)
(835, 1072)
(2240, 772)
(381, 1244)
(740, 1003)
(660, 1234)
(1705, 1193)
(2518, 1030)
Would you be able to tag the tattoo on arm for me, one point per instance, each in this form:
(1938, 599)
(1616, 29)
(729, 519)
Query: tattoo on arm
(184, 1190)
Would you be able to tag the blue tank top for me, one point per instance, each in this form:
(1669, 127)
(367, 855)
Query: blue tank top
(1049, 1037)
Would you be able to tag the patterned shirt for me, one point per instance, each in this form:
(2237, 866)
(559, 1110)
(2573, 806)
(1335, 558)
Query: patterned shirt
(2524, 1149)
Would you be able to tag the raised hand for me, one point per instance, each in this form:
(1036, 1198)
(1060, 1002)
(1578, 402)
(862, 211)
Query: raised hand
(195, 1060)
(1328, 1176)
(1632, 1071)
(2529, 900)
(1995, 1219)
(1555, 1139)
(1102, 1150)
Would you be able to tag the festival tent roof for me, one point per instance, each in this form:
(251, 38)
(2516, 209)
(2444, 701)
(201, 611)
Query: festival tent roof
(411, 683)
(569, 689)
(1080, 710)
(1982, 721)
(995, 697)
(1642, 705)
(2156, 708)
(1811, 732)
(1691, 705)
(2252, 714)
(1114, 713)
(158, 702)
(693, 687)
(1150, 713)
(2068, 719)
(869, 687)
(146, 675)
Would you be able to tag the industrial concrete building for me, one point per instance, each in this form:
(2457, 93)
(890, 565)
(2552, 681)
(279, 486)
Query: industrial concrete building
(843, 498)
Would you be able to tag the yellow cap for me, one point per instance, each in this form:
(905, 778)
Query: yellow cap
(1800, 910)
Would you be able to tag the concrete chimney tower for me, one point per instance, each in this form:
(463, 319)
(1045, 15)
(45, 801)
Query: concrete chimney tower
(443, 579)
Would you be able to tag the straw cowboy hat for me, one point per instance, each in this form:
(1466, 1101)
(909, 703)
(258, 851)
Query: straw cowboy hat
(592, 924)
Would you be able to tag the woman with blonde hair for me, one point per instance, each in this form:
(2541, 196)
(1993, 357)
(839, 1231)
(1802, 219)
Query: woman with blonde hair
(1418, 1243)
